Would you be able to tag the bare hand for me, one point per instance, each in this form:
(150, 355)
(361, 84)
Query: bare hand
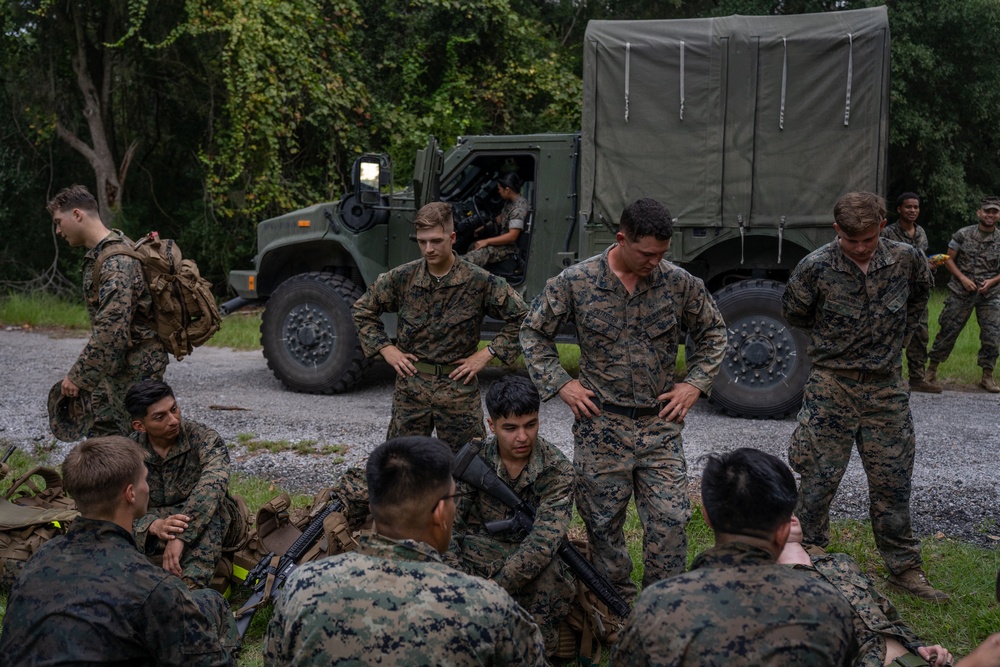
(968, 285)
(935, 655)
(480, 244)
(678, 401)
(469, 367)
(68, 388)
(577, 397)
(401, 362)
(172, 557)
(168, 529)
(987, 285)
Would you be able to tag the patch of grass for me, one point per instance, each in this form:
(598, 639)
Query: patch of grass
(961, 366)
(42, 310)
(240, 330)
(301, 447)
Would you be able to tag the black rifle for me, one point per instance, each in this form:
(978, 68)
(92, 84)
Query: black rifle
(473, 470)
(276, 570)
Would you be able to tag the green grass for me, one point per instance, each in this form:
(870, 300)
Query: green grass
(42, 310)
(301, 447)
(961, 366)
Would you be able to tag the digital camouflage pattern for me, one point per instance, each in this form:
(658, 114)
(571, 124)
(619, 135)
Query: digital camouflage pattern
(628, 354)
(439, 322)
(916, 349)
(123, 347)
(352, 490)
(978, 258)
(89, 597)
(194, 480)
(514, 215)
(527, 566)
(393, 603)
(737, 606)
(874, 617)
(857, 322)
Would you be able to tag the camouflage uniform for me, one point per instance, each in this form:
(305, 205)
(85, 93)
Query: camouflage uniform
(439, 322)
(89, 597)
(394, 603)
(737, 606)
(874, 617)
(916, 349)
(513, 216)
(857, 325)
(192, 480)
(527, 566)
(628, 352)
(352, 490)
(978, 258)
(123, 347)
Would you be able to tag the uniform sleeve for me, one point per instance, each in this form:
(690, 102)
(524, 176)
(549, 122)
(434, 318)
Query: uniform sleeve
(207, 495)
(524, 645)
(120, 282)
(503, 303)
(628, 649)
(380, 298)
(707, 330)
(177, 632)
(921, 281)
(798, 303)
(548, 311)
(552, 517)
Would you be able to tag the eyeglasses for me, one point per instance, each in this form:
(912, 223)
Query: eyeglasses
(454, 496)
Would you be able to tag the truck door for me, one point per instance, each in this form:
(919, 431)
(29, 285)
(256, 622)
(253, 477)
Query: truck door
(426, 173)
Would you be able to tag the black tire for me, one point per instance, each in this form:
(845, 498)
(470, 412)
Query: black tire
(766, 366)
(308, 334)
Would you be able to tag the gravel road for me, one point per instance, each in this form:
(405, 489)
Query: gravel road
(955, 483)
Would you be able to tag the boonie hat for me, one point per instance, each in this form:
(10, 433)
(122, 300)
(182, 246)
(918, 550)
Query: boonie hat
(990, 202)
(70, 417)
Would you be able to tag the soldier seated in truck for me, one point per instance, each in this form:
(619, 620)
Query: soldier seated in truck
(502, 243)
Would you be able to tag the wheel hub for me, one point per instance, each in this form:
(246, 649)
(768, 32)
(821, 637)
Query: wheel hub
(309, 334)
(760, 352)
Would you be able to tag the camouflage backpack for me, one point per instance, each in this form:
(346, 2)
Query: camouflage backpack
(184, 309)
(31, 514)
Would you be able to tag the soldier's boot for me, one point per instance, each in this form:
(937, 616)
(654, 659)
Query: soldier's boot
(931, 376)
(918, 383)
(988, 383)
(914, 581)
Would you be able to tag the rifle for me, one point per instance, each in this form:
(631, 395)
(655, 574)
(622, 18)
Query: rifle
(270, 574)
(473, 470)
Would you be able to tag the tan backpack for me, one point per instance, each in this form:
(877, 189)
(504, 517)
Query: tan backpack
(184, 309)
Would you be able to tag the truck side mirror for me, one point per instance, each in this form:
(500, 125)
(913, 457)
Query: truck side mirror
(368, 179)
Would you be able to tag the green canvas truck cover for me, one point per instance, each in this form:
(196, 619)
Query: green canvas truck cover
(742, 118)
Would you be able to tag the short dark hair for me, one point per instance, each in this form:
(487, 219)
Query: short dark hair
(512, 396)
(98, 469)
(747, 491)
(406, 477)
(144, 394)
(510, 179)
(75, 196)
(906, 195)
(646, 217)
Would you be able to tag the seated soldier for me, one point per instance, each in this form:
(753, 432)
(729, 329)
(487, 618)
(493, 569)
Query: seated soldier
(191, 515)
(393, 601)
(737, 605)
(89, 598)
(882, 635)
(510, 221)
(527, 566)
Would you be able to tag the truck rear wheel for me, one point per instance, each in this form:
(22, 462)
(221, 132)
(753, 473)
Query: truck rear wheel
(308, 334)
(765, 367)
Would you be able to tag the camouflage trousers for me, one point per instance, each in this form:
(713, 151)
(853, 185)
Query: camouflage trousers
(490, 254)
(425, 402)
(616, 457)
(916, 349)
(836, 414)
(955, 314)
(548, 597)
(202, 553)
(220, 616)
(108, 398)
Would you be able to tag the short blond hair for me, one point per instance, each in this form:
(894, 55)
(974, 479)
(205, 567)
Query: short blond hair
(856, 212)
(435, 214)
(96, 471)
(75, 196)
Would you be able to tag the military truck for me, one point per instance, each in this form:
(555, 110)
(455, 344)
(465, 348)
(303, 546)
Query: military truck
(747, 127)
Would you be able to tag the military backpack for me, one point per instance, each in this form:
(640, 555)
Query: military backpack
(184, 309)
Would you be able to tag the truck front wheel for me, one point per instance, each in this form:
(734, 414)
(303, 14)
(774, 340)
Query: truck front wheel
(765, 367)
(308, 334)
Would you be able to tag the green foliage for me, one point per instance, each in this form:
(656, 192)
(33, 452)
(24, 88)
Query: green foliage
(42, 310)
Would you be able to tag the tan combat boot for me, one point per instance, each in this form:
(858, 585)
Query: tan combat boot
(988, 383)
(932, 372)
(914, 581)
(919, 384)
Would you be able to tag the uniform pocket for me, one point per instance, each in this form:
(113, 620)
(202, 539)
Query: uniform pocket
(603, 325)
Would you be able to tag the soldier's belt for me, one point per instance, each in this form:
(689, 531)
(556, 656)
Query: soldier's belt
(624, 410)
(863, 376)
(434, 369)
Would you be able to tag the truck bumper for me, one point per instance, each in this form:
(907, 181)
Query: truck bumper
(244, 283)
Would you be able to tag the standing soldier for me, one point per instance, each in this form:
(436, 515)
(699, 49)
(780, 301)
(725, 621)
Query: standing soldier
(859, 297)
(906, 230)
(629, 307)
(974, 264)
(123, 347)
(441, 301)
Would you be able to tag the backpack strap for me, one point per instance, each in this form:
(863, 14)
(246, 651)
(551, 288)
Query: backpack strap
(122, 247)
